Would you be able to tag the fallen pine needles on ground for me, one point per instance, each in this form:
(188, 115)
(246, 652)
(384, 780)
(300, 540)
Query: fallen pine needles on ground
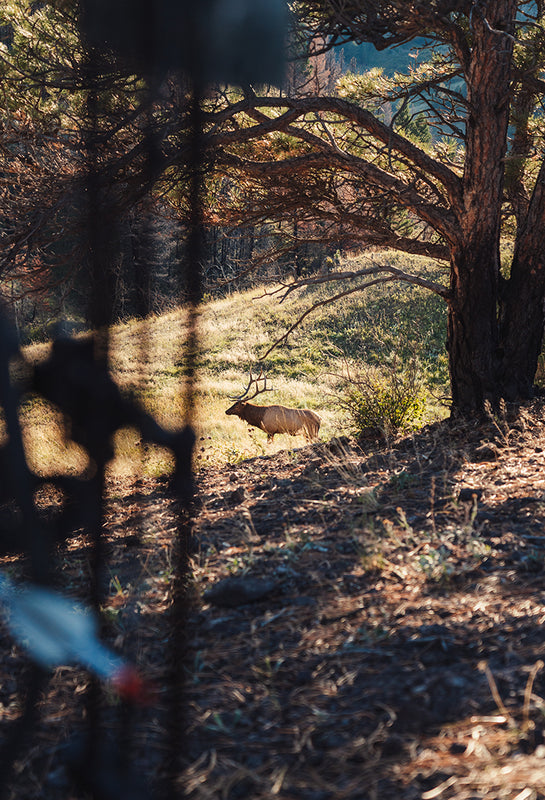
(383, 636)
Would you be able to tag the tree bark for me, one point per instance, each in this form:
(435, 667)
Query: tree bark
(521, 334)
(522, 316)
(473, 330)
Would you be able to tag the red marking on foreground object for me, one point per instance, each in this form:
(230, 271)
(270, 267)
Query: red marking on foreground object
(130, 686)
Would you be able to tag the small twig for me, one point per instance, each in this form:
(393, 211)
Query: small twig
(331, 138)
(528, 694)
(432, 505)
(483, 667)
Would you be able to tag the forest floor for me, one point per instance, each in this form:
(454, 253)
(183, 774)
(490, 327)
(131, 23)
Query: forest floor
(367, 622)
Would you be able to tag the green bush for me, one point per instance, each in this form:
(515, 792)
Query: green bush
(384, 401)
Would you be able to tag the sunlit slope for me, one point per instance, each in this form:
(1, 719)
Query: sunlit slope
(149, 361)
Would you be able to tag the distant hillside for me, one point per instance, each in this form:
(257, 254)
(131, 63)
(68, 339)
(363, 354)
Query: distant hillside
(362, 57)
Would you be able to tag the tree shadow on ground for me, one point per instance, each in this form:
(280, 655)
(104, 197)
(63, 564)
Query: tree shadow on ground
(401, 628)
(406, 602)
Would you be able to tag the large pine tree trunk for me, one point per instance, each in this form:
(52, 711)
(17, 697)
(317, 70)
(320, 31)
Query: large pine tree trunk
(473, 333)
(522, 316)
(495, 332)
(521, 332)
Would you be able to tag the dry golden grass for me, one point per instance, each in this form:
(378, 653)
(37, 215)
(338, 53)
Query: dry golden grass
(148, 362)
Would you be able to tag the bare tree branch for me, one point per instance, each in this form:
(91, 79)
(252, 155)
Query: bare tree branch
(385, 274)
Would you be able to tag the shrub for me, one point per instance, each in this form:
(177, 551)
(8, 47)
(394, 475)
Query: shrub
(384, 401)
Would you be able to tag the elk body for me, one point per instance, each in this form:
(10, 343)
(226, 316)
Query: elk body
(274, 419)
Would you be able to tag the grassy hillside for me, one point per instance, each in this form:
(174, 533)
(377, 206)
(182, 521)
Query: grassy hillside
(148, 360)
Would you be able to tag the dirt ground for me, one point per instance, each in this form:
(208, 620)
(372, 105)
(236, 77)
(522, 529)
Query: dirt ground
(366, 622)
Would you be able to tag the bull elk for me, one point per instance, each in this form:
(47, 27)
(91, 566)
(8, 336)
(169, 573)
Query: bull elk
(274, 419)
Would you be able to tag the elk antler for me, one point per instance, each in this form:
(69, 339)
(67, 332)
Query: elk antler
(260, 377)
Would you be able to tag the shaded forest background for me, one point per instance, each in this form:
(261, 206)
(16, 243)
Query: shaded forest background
(151, 238)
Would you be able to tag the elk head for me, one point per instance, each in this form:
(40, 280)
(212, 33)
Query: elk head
(242, 399)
